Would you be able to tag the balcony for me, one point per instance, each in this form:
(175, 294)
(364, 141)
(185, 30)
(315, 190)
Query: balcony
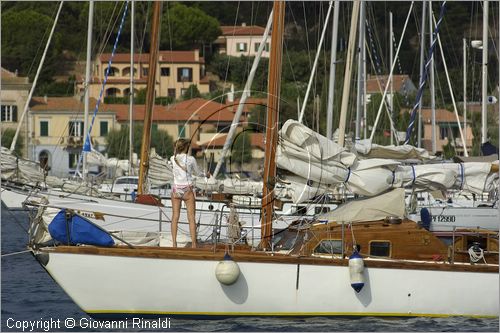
(74, 142)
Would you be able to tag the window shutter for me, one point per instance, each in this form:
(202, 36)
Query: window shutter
(14, 113)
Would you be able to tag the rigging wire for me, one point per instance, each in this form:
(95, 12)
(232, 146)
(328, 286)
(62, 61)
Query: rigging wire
(42, 40)
(307, 35)
(109, 29)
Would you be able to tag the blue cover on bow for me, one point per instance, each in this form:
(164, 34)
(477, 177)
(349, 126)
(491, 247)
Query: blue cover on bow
(74, 229)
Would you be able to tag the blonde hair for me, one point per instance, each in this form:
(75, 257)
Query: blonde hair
(181, 146)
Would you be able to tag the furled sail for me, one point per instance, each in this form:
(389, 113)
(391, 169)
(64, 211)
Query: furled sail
(19, 169)
(367, 149)
(312, 156)
(317, 160)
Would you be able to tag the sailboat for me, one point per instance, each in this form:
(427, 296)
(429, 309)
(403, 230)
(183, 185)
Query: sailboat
(395, 268)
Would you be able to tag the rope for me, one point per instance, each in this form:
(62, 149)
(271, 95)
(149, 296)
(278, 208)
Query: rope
(418, 98)
(14, 253)
(348, 174)
(353, 238)
(414, 176)
(87, 145)
(476, 256)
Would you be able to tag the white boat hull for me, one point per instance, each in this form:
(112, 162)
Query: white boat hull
(105, 286)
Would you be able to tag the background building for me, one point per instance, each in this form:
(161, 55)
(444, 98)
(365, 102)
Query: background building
(13, 96)
(242, 40)
(446, 131)
(57, 129)
(175, 72)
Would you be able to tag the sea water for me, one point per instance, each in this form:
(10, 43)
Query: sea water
(32, 301)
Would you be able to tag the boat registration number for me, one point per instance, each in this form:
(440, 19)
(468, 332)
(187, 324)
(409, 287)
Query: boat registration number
(443, 218)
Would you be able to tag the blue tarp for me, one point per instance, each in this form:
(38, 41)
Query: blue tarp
(81, 231)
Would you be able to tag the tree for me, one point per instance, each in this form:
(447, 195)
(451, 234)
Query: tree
(118, 141)
(449, 150)
(24, 35)
(401, 120)
(8, 135)
(191, 92)
(187, 27)
(241, 151)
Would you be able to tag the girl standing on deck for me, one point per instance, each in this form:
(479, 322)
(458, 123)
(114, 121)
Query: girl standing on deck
(184, 168)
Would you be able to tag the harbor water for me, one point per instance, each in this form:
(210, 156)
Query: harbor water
(31, 297)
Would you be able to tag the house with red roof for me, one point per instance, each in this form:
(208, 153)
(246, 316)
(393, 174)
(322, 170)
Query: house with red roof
(197, 119)
(402, 84)
(242, 40)
(175, 72)
(446, 130)
(56, 129)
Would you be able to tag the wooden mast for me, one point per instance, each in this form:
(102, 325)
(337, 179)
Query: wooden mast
(274, 85)
(150, 94)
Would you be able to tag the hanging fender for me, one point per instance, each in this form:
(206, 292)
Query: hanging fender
(227, 271)
(356, 269)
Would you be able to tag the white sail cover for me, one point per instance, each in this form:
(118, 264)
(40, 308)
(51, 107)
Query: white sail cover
(19, 169)
(389, 204)
(424, 177)
(475, 177)
(96, 158)
(312, 156)
(373, 176)
(160, 170)
(299, 189)
(241, 186)
(367, 149)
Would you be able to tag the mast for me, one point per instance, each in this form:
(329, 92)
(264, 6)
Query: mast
(365, 128)
(465, 89)
(87, 87)
(274, 84)
(33, 86)
(333, 64)
(433, 92)
(150, 95)
(391, 59)
(422, 47)
(484, 114)
(131, 97)
(361, 43)
(348, 71)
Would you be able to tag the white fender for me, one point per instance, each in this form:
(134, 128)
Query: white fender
(356, 268)
(227, 271)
